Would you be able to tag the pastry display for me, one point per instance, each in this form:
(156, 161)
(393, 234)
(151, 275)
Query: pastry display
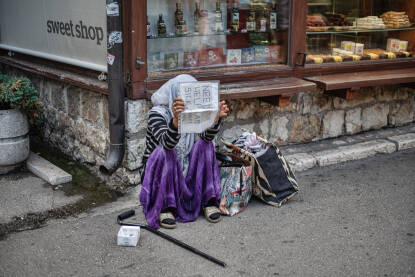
(370, 22)
(341, 52)
(316, 23)
(390, 55)
(338, 21)
(396, 19)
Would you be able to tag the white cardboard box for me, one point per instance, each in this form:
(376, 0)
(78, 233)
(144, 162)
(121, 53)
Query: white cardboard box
(355, 48)
(128, 236)
(396, 45)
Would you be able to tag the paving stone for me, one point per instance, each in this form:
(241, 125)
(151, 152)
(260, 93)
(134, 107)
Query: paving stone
(354, 152)
(301, 161)
(404, 141)
(47, 171)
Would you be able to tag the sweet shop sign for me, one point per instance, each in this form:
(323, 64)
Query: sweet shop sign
(67, 31)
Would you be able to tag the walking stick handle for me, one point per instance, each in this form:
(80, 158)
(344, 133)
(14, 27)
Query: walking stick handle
(126, 215)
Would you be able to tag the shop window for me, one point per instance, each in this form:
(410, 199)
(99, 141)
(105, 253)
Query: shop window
(355, 30)
(204, 34)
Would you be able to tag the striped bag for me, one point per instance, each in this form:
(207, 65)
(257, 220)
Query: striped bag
(273, 180)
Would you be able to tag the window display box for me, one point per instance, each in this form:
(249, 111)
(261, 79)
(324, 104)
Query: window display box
(203, 38)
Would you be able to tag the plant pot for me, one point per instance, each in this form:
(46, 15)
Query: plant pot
(14, 139)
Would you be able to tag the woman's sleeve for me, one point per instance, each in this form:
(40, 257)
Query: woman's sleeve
(210, 133)
(166, 134)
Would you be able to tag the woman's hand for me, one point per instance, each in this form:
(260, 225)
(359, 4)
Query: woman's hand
(223, 110)
(177, 107)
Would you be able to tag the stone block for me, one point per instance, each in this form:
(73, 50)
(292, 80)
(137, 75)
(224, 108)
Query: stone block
(364, 96)
(401, 113)
(74, 101)
(264, 128)
(301, 161)
(84, 154)
(96, 138)
(304, 128)
(292, 107)
(44, 94)
(353, 121)
(279, 130)
(264, 109)
(354, 152)
(134, 155)
(307, 102)
(321, 103)
(246, 109)
(402, 93)
(47, 171)
(375, 117)
(105, 112)
(333, 123)
(81, 130)
(404, 141)
(91, 105)
(58, 95)
(386, 93)
(136, 115)
(234, 132)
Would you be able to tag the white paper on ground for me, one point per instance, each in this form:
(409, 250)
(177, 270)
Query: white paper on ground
(201, 106)
(128, 236)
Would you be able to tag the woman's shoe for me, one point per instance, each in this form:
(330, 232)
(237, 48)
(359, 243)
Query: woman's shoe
(167, 220)
(212, 214)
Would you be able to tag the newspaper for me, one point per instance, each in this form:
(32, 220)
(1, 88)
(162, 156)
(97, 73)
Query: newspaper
(201, 101)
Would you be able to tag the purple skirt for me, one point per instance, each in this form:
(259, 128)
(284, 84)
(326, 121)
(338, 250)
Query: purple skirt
(164, 185)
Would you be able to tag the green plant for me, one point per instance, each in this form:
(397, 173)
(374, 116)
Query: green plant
(19, 93)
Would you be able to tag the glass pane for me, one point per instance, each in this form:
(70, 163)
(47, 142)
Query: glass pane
(353, 30)
(195, 34)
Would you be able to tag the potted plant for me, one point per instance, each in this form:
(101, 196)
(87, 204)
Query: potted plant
(20, 107)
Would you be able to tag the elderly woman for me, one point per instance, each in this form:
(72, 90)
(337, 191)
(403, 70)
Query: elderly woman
(179, 172)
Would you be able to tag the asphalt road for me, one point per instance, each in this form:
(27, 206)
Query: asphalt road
(354, 219)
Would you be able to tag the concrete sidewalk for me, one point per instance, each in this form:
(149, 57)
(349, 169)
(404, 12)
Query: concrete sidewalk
(23, 193)
(350, 219)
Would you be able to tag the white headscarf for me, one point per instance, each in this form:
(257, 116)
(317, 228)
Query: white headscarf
(162, 101)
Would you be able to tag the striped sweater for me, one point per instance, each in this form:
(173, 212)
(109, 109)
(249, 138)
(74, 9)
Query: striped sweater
(159, 132)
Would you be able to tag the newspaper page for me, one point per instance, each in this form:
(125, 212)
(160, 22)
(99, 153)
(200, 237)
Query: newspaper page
(201, 101)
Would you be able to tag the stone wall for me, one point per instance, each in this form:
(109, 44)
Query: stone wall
(77, 120)
(77, 124)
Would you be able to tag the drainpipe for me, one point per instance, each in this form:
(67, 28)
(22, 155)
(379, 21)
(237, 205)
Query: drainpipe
(116, 91)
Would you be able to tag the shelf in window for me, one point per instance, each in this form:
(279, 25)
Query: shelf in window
(320, 4)
(355, 31)
(207, 35)
(189, 35)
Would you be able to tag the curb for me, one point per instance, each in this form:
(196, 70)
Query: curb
(304, 161)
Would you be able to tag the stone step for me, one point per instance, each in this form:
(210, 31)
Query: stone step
(348, 152)
(47, 171)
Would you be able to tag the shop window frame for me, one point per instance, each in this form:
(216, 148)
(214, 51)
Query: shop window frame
(140, 82)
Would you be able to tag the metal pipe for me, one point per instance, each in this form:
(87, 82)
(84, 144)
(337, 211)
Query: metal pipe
(43, 55)
(116, 91)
